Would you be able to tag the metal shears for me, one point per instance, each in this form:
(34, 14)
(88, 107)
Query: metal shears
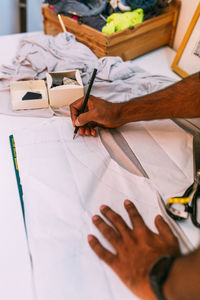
(179, 208)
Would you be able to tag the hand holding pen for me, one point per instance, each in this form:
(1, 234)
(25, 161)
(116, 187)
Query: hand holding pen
(86, 99)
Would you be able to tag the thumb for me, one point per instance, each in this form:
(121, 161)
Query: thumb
(84, 118)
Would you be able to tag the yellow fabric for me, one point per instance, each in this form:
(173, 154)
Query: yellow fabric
(120, 21)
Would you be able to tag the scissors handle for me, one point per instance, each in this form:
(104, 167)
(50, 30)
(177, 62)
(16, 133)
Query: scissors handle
(194, 206)
(192, 195)
(175, 213)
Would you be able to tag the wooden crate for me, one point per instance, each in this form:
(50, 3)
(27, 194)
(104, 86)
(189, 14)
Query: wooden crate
(128, 43)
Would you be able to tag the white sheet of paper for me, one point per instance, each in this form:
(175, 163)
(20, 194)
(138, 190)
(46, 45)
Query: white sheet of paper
(64, 183)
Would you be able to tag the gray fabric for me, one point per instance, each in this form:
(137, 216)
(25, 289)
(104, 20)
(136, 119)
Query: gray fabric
(93, 7)
(119, 81)
(116, 81)
(43, 53)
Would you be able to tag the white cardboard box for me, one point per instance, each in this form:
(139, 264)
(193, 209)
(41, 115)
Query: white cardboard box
(64, 94)
(19, 88)
(58, 96)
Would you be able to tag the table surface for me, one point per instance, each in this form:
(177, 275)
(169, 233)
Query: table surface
(15, 268)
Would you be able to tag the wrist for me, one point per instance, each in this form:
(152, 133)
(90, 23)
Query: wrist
(183, 279)
(159, 273)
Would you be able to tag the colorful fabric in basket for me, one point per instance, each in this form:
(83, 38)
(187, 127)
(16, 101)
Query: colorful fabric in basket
(120, 21)
(80, 8)
(146, 5)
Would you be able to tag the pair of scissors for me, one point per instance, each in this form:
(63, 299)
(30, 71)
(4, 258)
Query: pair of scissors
(179, 208)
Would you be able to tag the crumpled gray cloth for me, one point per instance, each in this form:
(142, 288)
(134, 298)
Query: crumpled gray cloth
(93, 7)
(44, 53)
(119, 81)
(116, 81)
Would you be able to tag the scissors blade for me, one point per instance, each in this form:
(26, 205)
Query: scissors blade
(121, 152)
(128, 151)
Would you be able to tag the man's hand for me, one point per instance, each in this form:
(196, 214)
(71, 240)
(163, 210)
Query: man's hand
(164, 104)
(98, 113)
(137, 249)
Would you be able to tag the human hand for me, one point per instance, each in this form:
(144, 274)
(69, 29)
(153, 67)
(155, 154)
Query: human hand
(98, 113)
(137, 249)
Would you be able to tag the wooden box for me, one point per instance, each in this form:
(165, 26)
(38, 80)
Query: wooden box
(128, 43)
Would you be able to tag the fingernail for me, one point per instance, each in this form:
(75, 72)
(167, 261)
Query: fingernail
(93, 132)
(77, 123)
(159, 217)
(127, 202)
(90, 237)
(103, 208)
(95, 218)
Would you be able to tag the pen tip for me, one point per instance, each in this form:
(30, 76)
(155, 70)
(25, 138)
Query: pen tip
(74, 136)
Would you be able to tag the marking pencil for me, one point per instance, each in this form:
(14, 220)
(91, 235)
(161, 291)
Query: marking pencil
(86, 98)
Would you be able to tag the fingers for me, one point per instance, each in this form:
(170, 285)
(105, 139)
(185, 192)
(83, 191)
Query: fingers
(87, 131)
(74, 114)
(81, 130)
(135, 217)
(85, 118)
(107, 231)
(167, 234)
(115, 219)
(100, 251)
(163, 228)
(93, 132)
(75, 108)
(81, 119)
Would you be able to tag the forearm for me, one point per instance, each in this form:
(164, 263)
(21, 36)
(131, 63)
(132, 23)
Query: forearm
(183, 282)
(180, 100)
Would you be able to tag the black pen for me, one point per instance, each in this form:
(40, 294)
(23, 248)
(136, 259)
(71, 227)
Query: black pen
(86, 98)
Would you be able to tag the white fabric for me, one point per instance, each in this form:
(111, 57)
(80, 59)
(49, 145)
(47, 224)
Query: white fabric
(166, 153)
(64, 183)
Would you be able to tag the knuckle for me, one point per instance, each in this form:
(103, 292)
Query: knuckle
(132, 211)
(134, 215)
(107, 231)
(111, 235)
(110, 259)
(98, 249)
(143, 231)
(119, 222)
(116, 218)
(98, 113)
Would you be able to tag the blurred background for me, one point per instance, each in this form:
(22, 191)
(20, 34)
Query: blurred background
(20, 16)
(25, 15)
